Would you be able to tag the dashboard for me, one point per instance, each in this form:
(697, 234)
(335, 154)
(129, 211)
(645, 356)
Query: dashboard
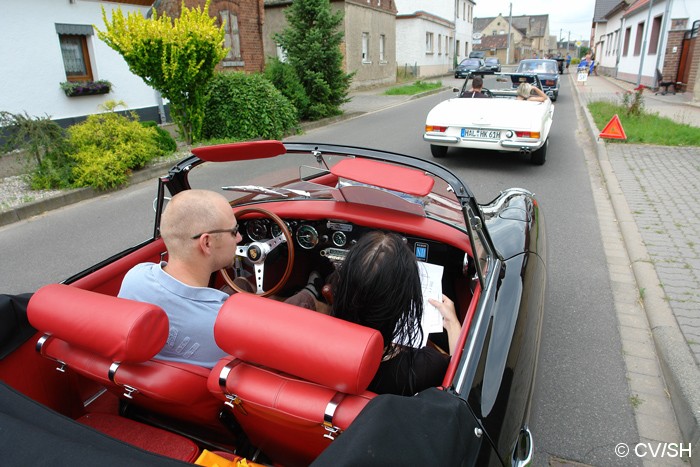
(332, 238)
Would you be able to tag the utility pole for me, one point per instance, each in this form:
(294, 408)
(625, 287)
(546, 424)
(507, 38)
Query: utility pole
(510, 20)
(568, 39)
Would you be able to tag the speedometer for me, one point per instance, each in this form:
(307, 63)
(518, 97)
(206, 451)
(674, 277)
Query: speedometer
(307, 237)
(256, 229)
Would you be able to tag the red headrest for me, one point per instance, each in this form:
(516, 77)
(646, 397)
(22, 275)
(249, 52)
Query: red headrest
(116, 328)
(300, 342)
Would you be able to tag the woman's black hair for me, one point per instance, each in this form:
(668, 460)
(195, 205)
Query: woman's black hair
(378, 286)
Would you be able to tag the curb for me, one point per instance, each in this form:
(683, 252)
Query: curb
(79, 194)
(680, 371)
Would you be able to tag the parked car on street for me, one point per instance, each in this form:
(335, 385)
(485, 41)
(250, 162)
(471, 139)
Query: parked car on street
(548, 72)
(468, 66)
(78, 363)
(493, 64)
(501, 123)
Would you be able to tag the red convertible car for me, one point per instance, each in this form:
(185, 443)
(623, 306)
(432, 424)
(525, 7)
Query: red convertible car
(80, 384)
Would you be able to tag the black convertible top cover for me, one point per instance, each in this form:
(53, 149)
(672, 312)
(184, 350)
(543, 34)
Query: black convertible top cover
(431, 428)
(15, 329)
(32, 434)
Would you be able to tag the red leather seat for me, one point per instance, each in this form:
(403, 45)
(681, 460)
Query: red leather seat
(112, 341)
(296, 378)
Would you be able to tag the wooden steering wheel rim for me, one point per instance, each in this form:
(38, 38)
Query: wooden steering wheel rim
(290, 247)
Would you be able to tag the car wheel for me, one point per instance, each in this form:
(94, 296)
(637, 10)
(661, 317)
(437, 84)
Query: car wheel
(438, 151)
(538, 157)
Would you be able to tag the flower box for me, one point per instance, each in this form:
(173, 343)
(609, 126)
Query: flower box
(86, 88)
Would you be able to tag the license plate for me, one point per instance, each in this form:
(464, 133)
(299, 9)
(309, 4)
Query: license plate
(480, 134)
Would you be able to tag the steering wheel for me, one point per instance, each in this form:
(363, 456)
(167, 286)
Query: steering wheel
(257, 252)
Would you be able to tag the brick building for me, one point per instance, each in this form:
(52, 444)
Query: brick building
(243, 20)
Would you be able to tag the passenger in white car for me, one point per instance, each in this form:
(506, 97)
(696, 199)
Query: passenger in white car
(526, 90)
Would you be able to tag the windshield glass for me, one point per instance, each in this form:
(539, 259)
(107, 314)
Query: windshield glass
(492, 61)
(470, 62)
(307, 176)
(537, 66)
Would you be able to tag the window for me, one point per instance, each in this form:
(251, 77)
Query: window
(365, 47)
(638, 40)
(428, 42)
(626, 46)
(457, 49)
(457, 9)
(439, 44)
(654, 40)
(382, 45)
(73, 39)
(232, 38)
(76, 59)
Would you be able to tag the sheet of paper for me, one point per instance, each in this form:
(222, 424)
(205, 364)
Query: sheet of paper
(431, 283)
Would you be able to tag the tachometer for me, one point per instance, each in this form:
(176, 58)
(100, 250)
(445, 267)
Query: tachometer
(276, 231)
(256, 229)
(307, 237)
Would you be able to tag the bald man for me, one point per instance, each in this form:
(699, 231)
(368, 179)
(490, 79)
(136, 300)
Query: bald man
(200, 232)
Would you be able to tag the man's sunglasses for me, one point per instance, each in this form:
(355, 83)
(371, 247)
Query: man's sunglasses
(233, 232)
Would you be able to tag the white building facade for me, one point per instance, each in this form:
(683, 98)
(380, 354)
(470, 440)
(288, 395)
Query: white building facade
(59, 43)
(432, 36)
(635, 39)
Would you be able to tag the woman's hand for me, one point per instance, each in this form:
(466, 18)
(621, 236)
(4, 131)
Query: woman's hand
(450, 321)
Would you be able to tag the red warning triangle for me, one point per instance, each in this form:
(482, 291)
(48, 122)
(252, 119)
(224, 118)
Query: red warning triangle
(613, 130)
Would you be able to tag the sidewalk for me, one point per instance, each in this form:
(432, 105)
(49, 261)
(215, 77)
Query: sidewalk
(654, 191)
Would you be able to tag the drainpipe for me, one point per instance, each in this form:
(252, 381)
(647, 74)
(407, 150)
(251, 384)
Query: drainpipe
(644, 44)
(664, 40)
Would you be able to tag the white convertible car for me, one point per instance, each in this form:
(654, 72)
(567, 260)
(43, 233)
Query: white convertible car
(499, 122)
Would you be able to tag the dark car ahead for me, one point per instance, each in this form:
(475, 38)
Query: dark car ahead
(547, 71)
(469, 66)
(493, 64)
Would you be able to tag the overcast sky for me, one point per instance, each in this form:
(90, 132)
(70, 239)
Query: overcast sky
(565, 15)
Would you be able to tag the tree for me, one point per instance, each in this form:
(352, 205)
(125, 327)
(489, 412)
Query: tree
(175, 57)
(312, 45)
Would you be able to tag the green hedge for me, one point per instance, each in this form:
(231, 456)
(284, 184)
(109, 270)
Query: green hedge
(246, 106)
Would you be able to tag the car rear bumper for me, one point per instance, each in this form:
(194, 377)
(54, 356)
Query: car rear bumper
(504, 144)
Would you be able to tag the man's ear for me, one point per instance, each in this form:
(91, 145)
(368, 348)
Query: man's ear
(204, 243)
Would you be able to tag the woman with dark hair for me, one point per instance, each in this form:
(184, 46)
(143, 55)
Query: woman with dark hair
(378, 286)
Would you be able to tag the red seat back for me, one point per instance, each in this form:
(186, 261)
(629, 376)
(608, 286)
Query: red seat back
(295, 378)
(113, 341)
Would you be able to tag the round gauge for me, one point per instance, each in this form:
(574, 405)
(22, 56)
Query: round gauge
(276, 231)
(307, 237)
(339, 238)
(256, 229)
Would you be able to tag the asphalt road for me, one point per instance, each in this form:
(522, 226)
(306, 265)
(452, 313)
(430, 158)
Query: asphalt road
(581, 408)
(582, 404)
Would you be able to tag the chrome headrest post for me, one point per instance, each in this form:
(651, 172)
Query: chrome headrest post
(332, 430)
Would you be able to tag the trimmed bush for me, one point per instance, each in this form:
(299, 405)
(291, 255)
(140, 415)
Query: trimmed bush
(107, 146)
(246, 106)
